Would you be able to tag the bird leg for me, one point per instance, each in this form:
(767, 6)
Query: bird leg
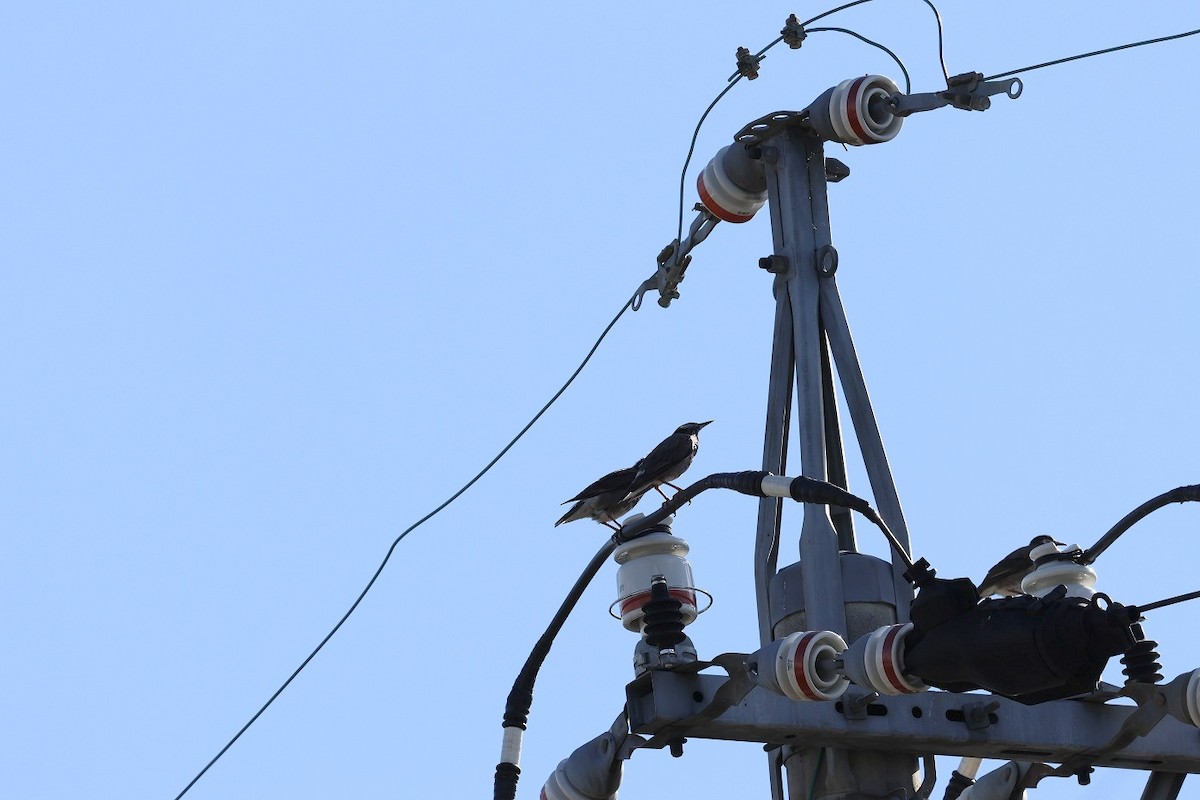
(673, 486)
(611, 524)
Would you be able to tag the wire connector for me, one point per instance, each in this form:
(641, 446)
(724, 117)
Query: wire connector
(793, 33)
(747, 64)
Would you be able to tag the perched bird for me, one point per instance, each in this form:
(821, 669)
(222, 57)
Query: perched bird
(668, 460)
(606, 499)
(1005, 578)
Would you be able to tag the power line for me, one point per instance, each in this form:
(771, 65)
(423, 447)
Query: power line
(408, 530)
(1058, 61)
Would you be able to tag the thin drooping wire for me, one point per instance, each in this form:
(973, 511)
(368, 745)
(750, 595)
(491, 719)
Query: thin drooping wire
(408, 530)
(1057, 61)
(692, 149)
(936, 14)
(860, 37)
(941, 41)
(832, 11)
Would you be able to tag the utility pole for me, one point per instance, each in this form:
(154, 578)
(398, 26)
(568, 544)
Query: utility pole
(832, 587)
(836, 690)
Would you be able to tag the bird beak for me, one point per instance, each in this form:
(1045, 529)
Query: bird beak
(702, 424)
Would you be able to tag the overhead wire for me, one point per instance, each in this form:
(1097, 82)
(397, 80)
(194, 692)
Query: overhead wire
(733, 80)
(860, 37)
(1170, 601)
(628, 304)
(1106, 50)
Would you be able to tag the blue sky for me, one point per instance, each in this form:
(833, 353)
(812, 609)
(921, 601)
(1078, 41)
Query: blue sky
(279, 278)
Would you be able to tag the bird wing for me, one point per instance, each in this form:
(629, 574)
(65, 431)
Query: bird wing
(1005, 577)
(615, 481)
(577, 512)
(662, 461)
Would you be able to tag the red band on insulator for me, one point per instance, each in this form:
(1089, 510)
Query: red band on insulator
(712, 205)
(798, 667)
(889, 663)
(856, 124)
(636, 601)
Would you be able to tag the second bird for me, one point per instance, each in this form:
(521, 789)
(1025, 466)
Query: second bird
(668, 460)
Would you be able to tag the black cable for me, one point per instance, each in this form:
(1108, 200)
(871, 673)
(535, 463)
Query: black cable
(941, 41)
(860, 37)
(408, 530)
(1089, 55)
(937, 15)
(1170, 601)
(520, 698)
(1182, 494)
(832, 11)
(692, 149)
(802, 490)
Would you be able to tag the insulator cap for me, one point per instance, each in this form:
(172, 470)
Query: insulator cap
(732, 185)
(561, 787)
(876, 661)
(856, 111)
(643, 558)
(800, 666)
(1079, 579)
(1193, 697)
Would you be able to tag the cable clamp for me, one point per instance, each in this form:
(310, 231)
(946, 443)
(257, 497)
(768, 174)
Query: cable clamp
(793, 33)
(747, 63)
(968, 91)
(673, 260)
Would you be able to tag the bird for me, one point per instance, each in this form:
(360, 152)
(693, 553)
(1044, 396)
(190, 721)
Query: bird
(605, 499)
(668, 460)
(1005, 578)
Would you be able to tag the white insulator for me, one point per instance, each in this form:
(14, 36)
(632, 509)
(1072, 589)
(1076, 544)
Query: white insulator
(804, 665)
(643, 558)
(876, 661)
(559, 787)
(858, 113)
(1193, 697)
(1078, 578)
(721, 195)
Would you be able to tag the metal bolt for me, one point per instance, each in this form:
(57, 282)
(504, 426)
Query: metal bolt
(676, 746)
(776, 265)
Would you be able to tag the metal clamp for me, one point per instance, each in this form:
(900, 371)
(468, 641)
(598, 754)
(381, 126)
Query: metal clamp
(968, 91)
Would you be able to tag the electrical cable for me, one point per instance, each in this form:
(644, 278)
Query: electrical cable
(692, 150)
(408, 530)
(1181, 494)
(860, 37)
(812, 786)
(1170, 601)
(801, 489)
(936, 14)
(1089, 55)
(520, 698)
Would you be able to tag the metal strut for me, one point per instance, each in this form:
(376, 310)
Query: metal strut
(811, 339)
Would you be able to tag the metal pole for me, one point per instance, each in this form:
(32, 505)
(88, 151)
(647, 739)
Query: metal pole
(806, 351)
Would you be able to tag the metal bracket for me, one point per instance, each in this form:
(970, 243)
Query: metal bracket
(767, 126)
(854, 706)
(968, 91)
(674, 259)
(978, 716)
(741, 681)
